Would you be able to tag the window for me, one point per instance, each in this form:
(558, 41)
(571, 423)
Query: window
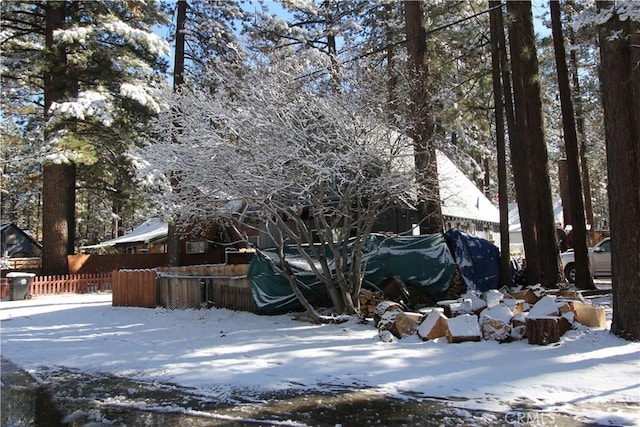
(198, 247)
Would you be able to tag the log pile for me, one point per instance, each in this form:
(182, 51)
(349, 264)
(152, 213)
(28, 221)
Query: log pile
(499, 315)
(369, 300)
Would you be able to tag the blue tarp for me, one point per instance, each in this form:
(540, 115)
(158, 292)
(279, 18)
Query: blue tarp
(423, 261)
(477, 258)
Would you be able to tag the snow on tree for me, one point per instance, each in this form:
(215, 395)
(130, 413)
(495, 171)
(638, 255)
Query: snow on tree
(328, 26)
(80, 74)
(308, 168)
(210, 36)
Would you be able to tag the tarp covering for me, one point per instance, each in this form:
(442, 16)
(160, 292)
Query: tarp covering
(423, 261)
(272, 292)
(477, 258)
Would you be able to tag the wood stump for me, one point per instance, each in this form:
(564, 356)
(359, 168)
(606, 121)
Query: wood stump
(543, 330)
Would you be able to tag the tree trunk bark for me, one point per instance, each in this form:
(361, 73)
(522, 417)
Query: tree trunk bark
(392, 77)
(58, 196)
(426, 166)
(58, 189)
(519, 146)
(173, 238)
(528, 108)
(620, 79)
(583, 273)
(178, 64)
(495, 18)
(582, 137)
(332, 49)
(543, 331)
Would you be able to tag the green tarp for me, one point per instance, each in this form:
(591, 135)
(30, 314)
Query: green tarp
(423, 261)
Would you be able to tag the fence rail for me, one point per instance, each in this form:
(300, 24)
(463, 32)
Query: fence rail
(22, 264)
(70, 283)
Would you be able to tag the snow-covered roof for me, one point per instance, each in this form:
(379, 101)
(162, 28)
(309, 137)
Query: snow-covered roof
(147, 232)
(514, 215)
(460, 197)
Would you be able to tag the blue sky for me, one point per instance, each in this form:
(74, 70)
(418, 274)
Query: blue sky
(540, 7)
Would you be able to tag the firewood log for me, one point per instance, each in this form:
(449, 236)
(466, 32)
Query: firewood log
(433, 326)
(543, 330)
(464, 328)
(382, 308)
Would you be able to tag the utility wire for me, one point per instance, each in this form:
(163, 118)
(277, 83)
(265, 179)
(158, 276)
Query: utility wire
(401, 42)
(431, 31)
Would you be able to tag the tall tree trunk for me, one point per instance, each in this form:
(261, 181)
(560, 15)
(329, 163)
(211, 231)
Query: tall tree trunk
(392, 77)
(486, 177)
(178, 65)
(620, 79)
(421, 112)
(519, 147)
(583, 273)
(563, 181)
(495, 19)
(528, 107)
(332, 49)
(505, 71)
(58, 190)
(58, 195)
(582, 137)
(173, 237)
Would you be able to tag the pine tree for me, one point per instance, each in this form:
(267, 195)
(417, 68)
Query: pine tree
(323, 27)
(210, 34)
(619, 40)
(89, 68)
(422, 130)
(583, 275)
(529, 152)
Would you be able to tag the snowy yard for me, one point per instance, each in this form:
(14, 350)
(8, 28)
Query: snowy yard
(590, 372)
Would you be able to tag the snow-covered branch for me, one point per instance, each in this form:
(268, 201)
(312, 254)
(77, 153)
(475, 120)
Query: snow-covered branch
(312, 167)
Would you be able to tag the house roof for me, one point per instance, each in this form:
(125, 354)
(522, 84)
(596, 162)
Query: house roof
(514, 215)
(149, 231)
(15, 240)
(460, 197)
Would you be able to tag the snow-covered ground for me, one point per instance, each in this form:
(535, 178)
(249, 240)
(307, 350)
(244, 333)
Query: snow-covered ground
(589, 372)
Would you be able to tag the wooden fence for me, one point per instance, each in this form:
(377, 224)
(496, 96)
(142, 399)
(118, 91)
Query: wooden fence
(70, 283)
(134, 288)
(4, 288)
(23, 265)
(222, 286)
(91, 263)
